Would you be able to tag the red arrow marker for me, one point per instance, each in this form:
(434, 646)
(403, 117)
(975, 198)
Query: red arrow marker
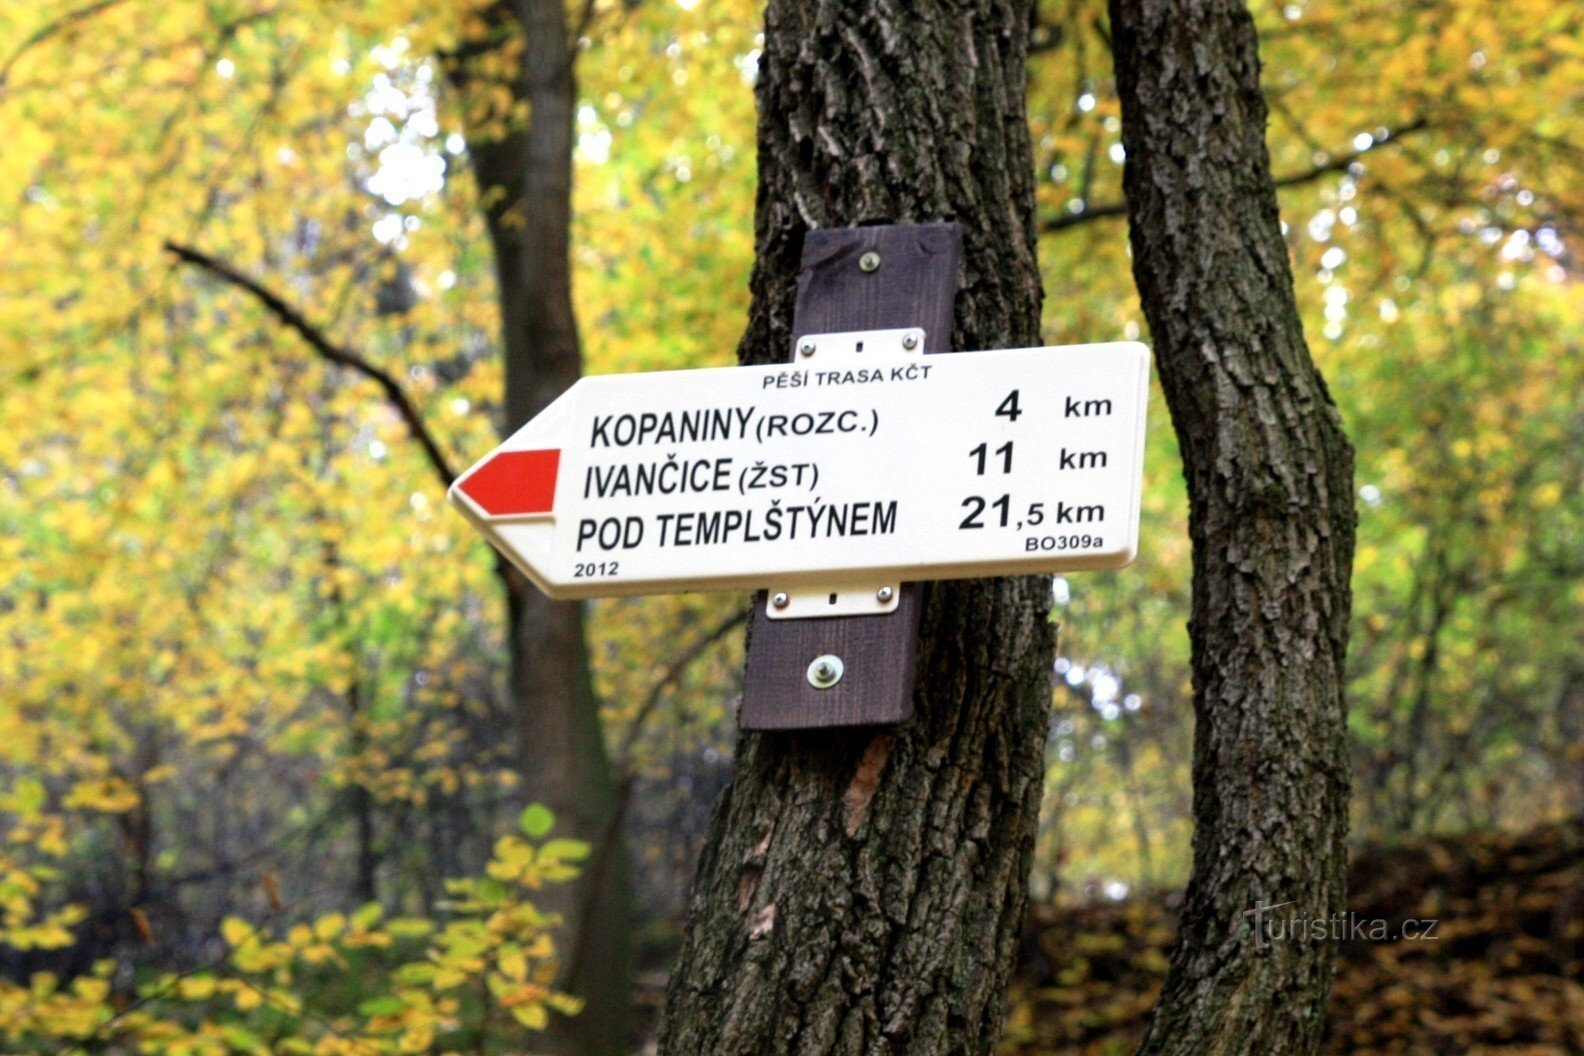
(514, 483)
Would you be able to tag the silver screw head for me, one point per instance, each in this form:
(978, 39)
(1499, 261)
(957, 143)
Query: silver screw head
(910, 341)
(805, 347)
(780, 601)
(883, 595)
(870, 261)
(825, 671)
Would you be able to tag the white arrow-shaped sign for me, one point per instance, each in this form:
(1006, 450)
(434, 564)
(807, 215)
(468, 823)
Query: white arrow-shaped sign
(861, 462)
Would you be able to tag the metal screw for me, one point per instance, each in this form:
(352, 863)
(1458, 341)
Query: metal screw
(805, 347)
(910, 341)
(825, 671)
(870, 261)
(780, 601)
(883, 595)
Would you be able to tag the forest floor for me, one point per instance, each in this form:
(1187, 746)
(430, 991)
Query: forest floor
(1501, 971)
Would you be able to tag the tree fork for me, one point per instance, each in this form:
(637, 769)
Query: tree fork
(860, 891)
(1270, 484)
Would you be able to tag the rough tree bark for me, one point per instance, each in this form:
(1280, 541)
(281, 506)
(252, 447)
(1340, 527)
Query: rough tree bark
(860, 891)
(561, 747)
(1270, 481)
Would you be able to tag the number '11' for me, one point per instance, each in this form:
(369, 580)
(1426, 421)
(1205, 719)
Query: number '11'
(981, 455)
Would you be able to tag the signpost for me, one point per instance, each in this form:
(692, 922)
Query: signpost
(833, 483)
(829, 480)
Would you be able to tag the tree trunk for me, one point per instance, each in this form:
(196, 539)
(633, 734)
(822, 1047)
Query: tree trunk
(365, 886)
(861, 891)
(1270, 482)
(561, 746)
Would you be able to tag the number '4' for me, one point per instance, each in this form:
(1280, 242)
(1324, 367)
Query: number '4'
(1009, 407)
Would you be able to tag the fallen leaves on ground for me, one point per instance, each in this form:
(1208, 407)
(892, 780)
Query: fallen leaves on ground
(1503, 972)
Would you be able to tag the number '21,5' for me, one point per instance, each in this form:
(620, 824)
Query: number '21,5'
(976, 506)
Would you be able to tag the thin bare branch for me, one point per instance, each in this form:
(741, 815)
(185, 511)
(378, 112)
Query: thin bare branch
(657, 691)
(49, 29)
(585, 20)
(294, 320)
(327, 349)
(600, 857)
(1340, 163)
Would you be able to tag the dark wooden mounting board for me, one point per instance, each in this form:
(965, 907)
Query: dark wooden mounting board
(915, 285)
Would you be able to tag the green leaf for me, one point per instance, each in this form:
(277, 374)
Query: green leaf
(385, 1005)
(409, 927)
(564, 850)
(536, 820)
(243, 1040)
(368, 915)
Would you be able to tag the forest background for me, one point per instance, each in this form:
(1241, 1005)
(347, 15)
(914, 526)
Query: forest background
(255, 790)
